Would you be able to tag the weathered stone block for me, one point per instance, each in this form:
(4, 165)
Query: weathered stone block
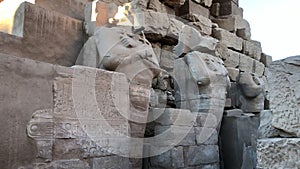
(230, 8)
(253, 49)
(26, 86)
(233, 59)
(45, 36)
(167, 58)
(203, 154)
(110, 162)
(190, 7)
(191, 40)
(278, 153)
(233, 73)
(266, 59)
(284, 82)
(203, 24)
(238, 138)
(207, 120)
(223, 1)
(206, 3)
(157, 6)
(173, 158)
(206, 136)
(75, 8)
(246, 63)
(174, 3)
(266, 130)
(259, 68)
(229, 39)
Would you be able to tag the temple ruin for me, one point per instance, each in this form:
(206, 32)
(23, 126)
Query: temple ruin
(143, 84)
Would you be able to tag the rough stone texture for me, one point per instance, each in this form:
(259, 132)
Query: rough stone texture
(190, 7)
(233, 73)
(204, 154)
(111, 162)
(206, 3)
(266, 59)
(229, 39)
(173, 158)
(246, 63)
(258, 68)
(18, 100)
(201, 23)
(45, 36)
(191, 40)
(238, 139)
(252, 48)
(284, 94)
(233, 59)
(278, 153)
(266, 130)
(157, 6)
(251, 96)
(230, 8)
(75, 8)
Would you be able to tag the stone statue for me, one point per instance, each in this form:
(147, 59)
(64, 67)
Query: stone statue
(202, 83)
(251, 96)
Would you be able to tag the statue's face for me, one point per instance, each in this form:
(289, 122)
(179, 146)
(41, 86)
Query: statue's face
(119, 48)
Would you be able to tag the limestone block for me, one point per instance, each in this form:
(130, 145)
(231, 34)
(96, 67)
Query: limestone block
(110, 162)
(266, 130)
(233, 59)
(233, 112)
(235, 24)
(188, 140)
(45, 36)
(157, 6)
(246, 63)
(223, 1)
(190, 7)
(173, 158)
(156, 23)
(222, 51)
(167, 58)
(259, 68)
(26, 86)
(252, 48)
(229, 39)
(233, 73)
(233, 95)
(278, 153)
(238, 136)
(215, 9)
(206, 3)
(283, 81)
(203, 154)
(191, 40)
(266, 59)
(206, 136)
(207, 120)
(230, 8)
(203, 24)
(75, 7)
(174, 3)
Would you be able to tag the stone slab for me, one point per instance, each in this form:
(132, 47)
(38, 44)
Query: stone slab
(190, 7)
(278, 153)
(44, 36)
(75, 8)
(228, 38)
(284, 94)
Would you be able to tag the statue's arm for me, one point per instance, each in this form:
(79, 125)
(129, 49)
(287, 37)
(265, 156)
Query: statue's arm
(89, 55)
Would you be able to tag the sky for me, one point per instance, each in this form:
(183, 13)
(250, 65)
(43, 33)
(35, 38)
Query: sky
(276, 24)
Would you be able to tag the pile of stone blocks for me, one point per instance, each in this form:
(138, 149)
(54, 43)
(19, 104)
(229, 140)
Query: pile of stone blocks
(278, 146)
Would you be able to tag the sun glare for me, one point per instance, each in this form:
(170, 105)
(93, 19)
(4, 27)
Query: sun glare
(7, 11)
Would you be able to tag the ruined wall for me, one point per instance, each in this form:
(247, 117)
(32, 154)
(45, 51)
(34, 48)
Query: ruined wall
(279, 128)
(211, 70)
